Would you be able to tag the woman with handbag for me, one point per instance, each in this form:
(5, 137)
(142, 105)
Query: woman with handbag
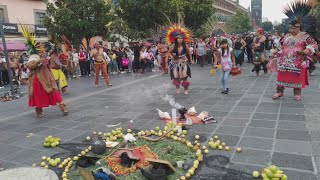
(227, 60)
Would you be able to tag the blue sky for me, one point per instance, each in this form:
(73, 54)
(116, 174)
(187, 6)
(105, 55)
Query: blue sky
(272, 9)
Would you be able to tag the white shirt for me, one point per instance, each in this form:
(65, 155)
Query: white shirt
(106, 56)
(191, 50)
(2, 60)
(75, 57)
(144, 55)
(226, 57)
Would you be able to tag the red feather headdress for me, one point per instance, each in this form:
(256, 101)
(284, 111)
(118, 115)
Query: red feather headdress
(177, 30)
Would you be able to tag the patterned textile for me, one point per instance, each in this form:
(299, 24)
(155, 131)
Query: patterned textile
(45, 77)
(141, 152)
(291, 72)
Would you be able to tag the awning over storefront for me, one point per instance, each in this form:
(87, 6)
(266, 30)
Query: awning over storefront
(14, 46)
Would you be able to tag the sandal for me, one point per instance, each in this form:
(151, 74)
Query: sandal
(178, 91)
(63, 108)
(39, 112)
(297, 97)
(186, 92)
(277, 96)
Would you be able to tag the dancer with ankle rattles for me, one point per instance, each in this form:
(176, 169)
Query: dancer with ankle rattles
(180, 54)
(43, 90)
(297, 45)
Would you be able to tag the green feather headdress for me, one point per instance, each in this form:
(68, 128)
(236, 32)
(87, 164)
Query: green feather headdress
(33, 46)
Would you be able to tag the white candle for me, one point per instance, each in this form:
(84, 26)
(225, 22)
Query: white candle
(174, 116)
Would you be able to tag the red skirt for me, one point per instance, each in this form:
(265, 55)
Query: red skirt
(293, 80)
(41, 98)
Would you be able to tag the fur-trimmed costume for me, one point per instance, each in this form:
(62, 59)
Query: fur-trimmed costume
(43, 90)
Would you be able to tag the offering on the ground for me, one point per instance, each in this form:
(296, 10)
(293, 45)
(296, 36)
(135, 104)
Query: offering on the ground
(192, 111)
(255, 174)
(163, 115)
(51, 141)
(273, 172)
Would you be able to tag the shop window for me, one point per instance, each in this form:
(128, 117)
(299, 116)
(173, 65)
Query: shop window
(39, 17)
(3, 14)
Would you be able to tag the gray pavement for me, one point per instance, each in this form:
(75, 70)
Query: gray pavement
(284, 132)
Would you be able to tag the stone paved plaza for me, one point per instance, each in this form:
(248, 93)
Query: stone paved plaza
(285, 133)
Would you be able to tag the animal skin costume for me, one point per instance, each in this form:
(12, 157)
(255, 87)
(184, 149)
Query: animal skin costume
(43, 90)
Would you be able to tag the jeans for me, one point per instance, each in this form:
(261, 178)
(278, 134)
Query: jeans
(224, 77)
(130, 64)
(267, 54)
(114, 67)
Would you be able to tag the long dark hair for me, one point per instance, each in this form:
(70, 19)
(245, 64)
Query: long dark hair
(175, 49)
(224, 41)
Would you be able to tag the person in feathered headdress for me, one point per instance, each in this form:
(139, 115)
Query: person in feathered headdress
(259, 50)
(43, 90)
(56, 68)
(177, 36)
(298, 44)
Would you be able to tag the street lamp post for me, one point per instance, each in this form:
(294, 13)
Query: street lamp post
(6, 56)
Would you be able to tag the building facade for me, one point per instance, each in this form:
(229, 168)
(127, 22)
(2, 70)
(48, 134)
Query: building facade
(27, 12)
(225, 8)
(256, 13)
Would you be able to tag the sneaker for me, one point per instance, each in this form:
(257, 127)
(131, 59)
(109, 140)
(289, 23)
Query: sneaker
(312, 74)
(226, 91)
(1, 87)
(74, 76)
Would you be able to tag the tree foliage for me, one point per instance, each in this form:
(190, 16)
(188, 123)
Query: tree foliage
(239, 23)
(267, 26)
(143, 16)
(281, 28)
(77, 19)
(196, 12)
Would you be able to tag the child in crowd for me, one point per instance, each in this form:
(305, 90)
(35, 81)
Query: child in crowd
(227, 60)
(24, 75)
(114, 69)
(125, 62)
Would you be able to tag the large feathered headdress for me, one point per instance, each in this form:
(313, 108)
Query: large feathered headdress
(33, 46)
(177, 30)
(67, 44)
(298, 12)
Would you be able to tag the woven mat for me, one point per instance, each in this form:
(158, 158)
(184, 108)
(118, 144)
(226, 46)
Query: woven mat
(141, 152)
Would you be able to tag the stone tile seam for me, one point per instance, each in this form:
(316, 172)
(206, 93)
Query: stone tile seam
(251, 117)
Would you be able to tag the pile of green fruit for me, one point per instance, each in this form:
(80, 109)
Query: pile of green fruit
(271, 173)
(51, 141)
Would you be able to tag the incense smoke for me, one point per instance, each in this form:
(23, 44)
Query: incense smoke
(172, 102)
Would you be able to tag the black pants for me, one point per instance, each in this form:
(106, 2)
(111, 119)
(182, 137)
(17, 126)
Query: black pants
(202, 59)
(143, 65)
(88, 67)
(83, 68)
(5, 77)
(119, 62)
(239, 59)
(257, 67)
(250, 55)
